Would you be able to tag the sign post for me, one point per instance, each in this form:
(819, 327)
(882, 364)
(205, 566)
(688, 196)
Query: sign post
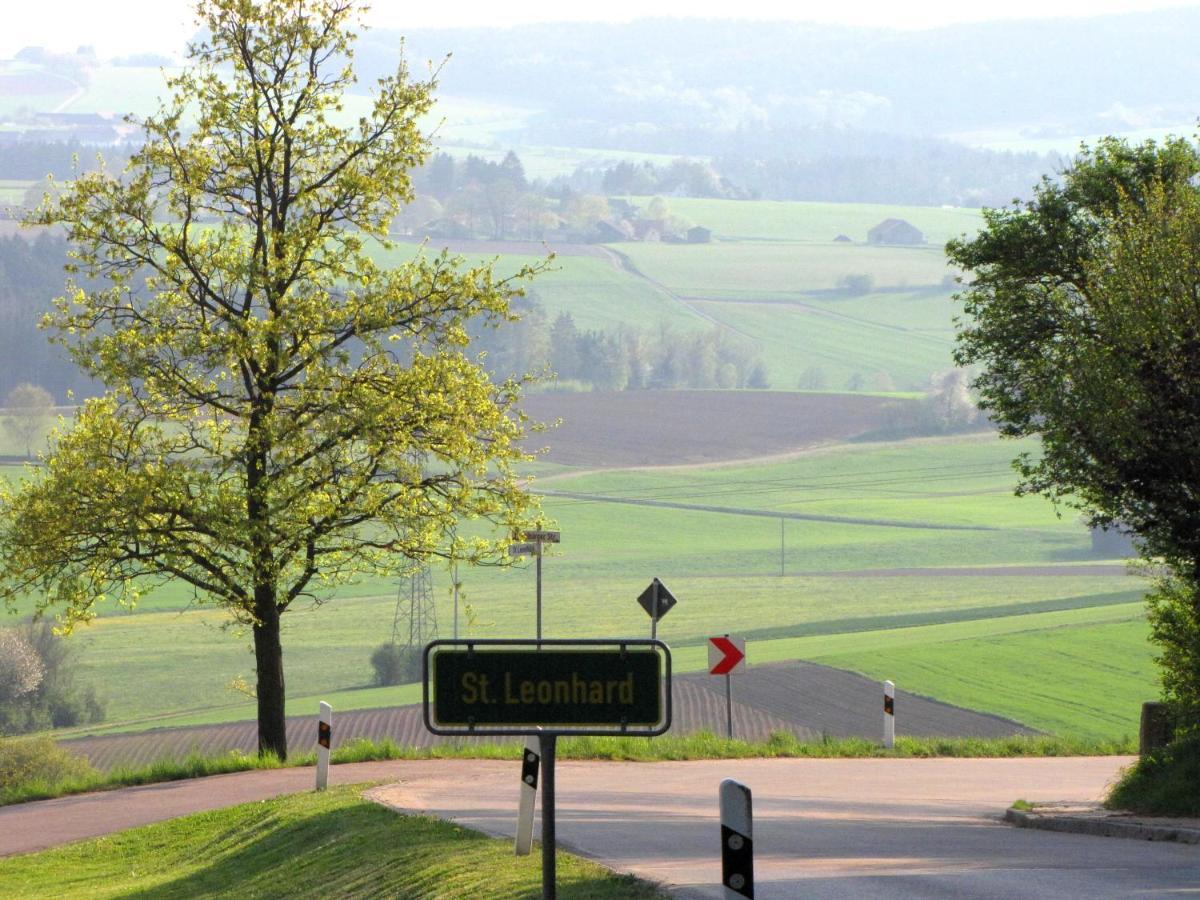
(657, 601)
(532, 546)
(727, 655)
(543, 689)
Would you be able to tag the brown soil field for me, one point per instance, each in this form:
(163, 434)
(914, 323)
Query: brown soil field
(654, 428)
(804, 699)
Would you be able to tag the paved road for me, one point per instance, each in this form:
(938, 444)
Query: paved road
(823, 828)
(836, 828)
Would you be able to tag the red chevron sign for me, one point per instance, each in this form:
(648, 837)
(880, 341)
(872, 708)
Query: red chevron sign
(725, 654)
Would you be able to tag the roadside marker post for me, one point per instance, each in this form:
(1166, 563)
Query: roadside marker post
(726, 656)
(889, 714)
(530, 762)
(737, 840)
(324, 741)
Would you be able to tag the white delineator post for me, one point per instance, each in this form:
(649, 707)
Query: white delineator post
(737, 840)
(889, 714)
(530, 762)
(324, 740)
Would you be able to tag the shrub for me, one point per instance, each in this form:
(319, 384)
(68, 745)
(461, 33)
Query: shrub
(57, 700)
(856, 285)
(394, 664)
(21, 669)
(1164, 782)
(31, 767)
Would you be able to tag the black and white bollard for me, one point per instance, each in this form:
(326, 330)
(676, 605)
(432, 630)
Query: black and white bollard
(737, 840)
(530, 763)
(889, 714)
(324, 741)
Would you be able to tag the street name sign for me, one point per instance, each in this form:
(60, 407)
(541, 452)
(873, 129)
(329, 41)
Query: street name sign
(543, 537)
(504, 687)
(726, 655)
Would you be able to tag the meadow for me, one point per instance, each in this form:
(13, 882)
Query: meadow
(957, 577)
(775, 276)
(907, 559)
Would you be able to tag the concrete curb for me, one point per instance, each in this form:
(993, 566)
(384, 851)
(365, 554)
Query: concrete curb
(1104, 823)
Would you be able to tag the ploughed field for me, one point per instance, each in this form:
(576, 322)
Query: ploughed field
(804, 699)
(650, 428)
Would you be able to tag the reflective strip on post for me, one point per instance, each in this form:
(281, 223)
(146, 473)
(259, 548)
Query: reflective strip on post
(737, 840)
(531, 761)
(889, 714)
(324, 742)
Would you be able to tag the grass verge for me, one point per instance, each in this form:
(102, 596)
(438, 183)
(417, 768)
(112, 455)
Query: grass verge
(351, 848)
(37, 785)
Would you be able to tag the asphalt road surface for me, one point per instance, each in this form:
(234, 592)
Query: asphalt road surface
(823, 828)
(835, 828)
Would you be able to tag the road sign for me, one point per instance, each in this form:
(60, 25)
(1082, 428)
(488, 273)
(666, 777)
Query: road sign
(544, 537)
(656, 608)
(525, 549)
(564, 687)
(726, 655)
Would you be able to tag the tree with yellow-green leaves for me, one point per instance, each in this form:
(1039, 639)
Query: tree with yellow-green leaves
(282, 413)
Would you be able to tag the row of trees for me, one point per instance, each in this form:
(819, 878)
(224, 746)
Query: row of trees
(30, 275)
(620, 360)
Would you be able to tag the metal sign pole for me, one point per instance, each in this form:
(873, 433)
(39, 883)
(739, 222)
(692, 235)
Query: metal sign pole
(654, 606)
(729, 706)
(548, 742)
(538, 553)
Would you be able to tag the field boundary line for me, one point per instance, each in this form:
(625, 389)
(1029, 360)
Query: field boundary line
(761, 513)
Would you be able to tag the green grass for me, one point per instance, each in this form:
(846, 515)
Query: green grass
(724, 568)
(778, 270)
(900, 337)
(333, 843)
(818, 222)
(1083, 679)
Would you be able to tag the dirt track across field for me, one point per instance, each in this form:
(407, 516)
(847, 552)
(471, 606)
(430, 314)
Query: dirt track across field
(804, 699)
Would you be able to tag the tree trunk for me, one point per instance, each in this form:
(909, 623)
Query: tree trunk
(268, 655)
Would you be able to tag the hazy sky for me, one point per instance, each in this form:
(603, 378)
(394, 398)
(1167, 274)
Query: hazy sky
(123, 26)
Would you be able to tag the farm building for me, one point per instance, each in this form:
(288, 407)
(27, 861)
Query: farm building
(895, 231)
(699, 235)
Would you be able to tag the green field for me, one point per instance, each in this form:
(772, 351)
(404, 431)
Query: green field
(891, 599)
(781, 220)
(746, 270)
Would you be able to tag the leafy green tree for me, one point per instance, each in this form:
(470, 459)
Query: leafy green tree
(283, 414)
(1083, 316)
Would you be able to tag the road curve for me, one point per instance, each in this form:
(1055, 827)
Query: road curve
(823, 828)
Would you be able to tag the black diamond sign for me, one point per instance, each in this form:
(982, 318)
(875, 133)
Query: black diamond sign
(665, 600)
